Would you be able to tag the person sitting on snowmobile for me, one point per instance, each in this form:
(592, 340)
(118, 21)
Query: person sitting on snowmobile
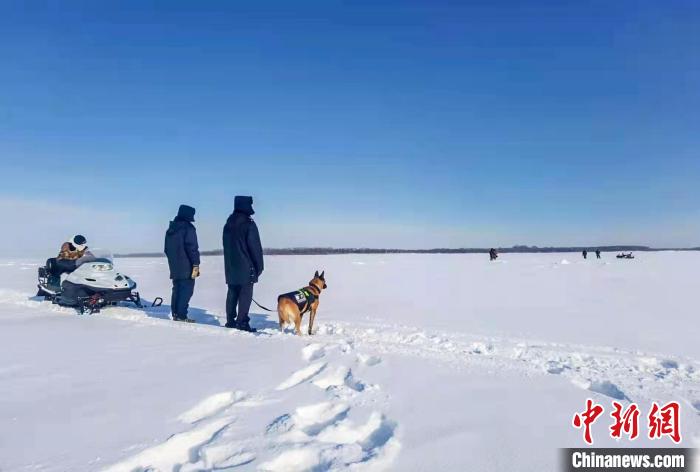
(74, 249)
(70, 252)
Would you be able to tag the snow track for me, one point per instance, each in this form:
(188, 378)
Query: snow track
(616, 373)
(327, 435)
(324, 414)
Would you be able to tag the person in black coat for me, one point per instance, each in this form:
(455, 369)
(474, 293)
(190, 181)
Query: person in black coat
(182, 250)
(243, 262)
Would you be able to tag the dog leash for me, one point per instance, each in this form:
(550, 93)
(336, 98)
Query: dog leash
(260, 306)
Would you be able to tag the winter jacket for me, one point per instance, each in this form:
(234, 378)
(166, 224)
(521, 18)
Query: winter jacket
(181, 245)
(69, 252)
(243, 254)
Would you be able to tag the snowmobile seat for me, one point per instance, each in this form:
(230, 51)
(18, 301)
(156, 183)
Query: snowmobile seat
(60, 266)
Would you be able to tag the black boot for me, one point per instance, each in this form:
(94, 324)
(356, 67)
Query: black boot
(246, 327)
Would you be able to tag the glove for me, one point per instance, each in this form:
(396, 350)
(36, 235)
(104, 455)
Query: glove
(195, 272)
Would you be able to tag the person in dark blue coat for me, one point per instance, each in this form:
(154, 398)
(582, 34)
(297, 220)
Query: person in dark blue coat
(243, 262)
(182, 250)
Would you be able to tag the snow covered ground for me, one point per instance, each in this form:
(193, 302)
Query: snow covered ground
(420, 362)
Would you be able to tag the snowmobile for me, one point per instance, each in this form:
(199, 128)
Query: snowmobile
(87, 284)
(625, 256)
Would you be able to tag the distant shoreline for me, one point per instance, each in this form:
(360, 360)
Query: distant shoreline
(310, 251)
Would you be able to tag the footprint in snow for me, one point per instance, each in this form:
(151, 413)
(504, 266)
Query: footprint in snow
(604, 387)
(211, 405)
(307, 421)
(302, 375)
(338, 443)
(669, 364)
(313, 352)
(221, 457)
(323, 436)
(479, 347)
(236, 460)
(175, 452)
(554, 367)
(224, 450)
(340, 376)
(368, 360)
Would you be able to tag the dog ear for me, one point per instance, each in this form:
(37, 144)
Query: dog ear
(316, 274)
(321, 276)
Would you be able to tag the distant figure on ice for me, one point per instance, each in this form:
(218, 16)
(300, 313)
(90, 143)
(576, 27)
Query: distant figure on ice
(243, 262)
(493, 254)
(597, 253)
(70, 252)
(585, 254)
(182, 249)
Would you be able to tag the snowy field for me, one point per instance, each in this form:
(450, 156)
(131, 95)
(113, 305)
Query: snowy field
(419, 363)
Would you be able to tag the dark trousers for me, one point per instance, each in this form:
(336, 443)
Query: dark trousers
(238, 296)
(180, 301)
(60, 266)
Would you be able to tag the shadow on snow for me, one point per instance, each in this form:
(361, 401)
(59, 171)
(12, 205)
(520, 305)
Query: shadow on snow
(259, 321)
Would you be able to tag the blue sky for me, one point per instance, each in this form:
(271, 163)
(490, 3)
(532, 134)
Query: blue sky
(410, 124)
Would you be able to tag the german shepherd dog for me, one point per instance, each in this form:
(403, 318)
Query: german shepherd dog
(292, 306)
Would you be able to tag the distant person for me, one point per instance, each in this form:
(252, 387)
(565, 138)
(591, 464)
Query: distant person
(585, 254)
(493, 254)
(243, 262)
(597, 253)
(182, 249)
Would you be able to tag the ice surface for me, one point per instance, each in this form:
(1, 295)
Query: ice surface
(421, 362)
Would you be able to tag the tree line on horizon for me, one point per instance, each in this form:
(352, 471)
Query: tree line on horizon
(319, 251)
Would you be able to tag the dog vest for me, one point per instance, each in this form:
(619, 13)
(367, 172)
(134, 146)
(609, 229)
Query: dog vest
(304, 298)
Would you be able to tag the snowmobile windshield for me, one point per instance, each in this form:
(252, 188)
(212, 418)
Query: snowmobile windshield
(101, 259)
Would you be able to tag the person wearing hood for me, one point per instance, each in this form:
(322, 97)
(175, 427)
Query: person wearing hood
(493, 254)
(74, 249)
(243, 262)
(182, 249)
(68, 255)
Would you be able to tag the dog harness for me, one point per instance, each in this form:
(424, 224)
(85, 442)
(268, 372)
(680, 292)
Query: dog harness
(303, 298)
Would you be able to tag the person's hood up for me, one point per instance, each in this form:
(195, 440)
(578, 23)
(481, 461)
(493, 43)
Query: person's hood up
(78, 242)
(177, 225)
(186, 213)
(243, 204)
